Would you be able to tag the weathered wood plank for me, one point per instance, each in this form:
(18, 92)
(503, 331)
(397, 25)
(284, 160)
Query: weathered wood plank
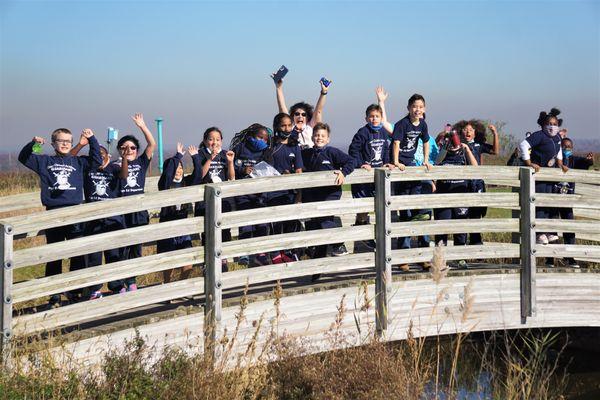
(568, 250)
(587, 190)
(488, 250)
(572, 175)
(485, 172)
(296, 211)
(101, 209)
(6, 286)
(568, 225)
(105, 241)
(89, 310)
(583, 213)
(213, 285)
(568, 201)
(296, 239)
(419, 228)
(383, 256)
(32, 289)
(496, 200)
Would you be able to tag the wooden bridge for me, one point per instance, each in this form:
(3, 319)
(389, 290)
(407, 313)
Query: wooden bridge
(359, 289)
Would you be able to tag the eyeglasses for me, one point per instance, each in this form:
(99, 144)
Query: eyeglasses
(128, 147)
(299, 114)
(63, 141)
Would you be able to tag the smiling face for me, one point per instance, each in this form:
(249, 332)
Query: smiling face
(374, 118)
(62, 143)
(128, 150)
(468, 133)
(300, 118)
(178, 172)
(416, 110)
(214, 141)
(320, 138)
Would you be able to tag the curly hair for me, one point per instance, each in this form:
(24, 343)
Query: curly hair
(303, 106)
(545, 117)
(478, 126)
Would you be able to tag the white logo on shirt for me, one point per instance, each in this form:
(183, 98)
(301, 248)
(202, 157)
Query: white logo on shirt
(101, 187)
(132, 179)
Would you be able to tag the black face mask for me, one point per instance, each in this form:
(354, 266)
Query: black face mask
(283, 135)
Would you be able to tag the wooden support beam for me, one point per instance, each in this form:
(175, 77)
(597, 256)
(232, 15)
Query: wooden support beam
(383, 252)
(6, 280)
(527, 248)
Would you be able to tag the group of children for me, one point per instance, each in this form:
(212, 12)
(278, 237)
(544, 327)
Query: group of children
(298, 142)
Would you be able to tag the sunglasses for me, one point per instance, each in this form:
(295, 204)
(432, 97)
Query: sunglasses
(299, 114)
(128, 147)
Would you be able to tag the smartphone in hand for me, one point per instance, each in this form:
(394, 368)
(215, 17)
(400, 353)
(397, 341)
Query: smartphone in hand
(281, 72)
(326, 82)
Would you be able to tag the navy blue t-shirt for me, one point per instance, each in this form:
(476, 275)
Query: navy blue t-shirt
(61, 177)
(102, 184)
(218, 170)
(327, 158)
(544, 148)
(457, 158)
(480, 148)
(408, 135)
(136, 176)
(369, 147)
(287, 158)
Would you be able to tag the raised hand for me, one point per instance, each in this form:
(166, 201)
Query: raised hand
(590, 156)
(492, 128)
(193, 150)
(324, 88)
(180, 148)
(381, 94)
(38, 139)
(278, 84)
(138, 119)
(230, 156)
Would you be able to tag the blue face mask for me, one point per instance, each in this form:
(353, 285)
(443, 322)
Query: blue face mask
(567, 153)
(256, 144)
(376, 128)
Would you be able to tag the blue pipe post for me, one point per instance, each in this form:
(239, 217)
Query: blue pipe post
(159, 122)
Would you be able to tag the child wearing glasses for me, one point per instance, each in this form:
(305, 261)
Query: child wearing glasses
(61, 184)
(132, 181)
(304, 116)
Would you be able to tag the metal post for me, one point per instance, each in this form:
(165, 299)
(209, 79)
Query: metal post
(212, 266)
(383, 252)
(528, 240)
(159, 124)
(6, 279)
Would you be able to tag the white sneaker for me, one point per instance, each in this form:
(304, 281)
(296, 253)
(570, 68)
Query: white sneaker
(542, 239)
(552, 238)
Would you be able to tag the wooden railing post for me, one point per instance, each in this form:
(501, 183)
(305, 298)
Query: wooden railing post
(212, 266)
(6, 280)
(383, 249)
(528, 240)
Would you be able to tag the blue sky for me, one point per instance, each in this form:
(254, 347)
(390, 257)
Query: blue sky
(93, 64)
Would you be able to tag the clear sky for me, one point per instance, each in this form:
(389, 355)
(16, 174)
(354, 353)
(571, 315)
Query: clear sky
(80, 64)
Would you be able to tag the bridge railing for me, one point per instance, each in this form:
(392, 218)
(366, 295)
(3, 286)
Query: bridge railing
(215, 281)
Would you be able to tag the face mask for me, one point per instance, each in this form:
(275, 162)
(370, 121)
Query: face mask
(283, 135)
(376, 128)
(551, 130)
(567, 153)
(256, 144)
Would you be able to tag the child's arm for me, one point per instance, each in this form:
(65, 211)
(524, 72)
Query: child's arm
(230, 170)
(559, 161)
(26, 156)
(381, 98)
(354, 151)
(395, 151)
(138, 118)
(124, 166)
(345, 163)
(496, 146)
(170, 168)
(83, 141)
(94, 156)
(583, 162)
(196, 176)
(426, 155)
(318, 114)
(280, 97)
(470, 157)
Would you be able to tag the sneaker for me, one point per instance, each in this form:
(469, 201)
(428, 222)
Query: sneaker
(96, 295)
(122, 290)
(571, 263)
(404, 267)
(244, 260)
(53, 302)
(552, 238)
(315, 277)
(339, 251)
(132, 287)
(260, 260)
(542, 239)
(426, 266)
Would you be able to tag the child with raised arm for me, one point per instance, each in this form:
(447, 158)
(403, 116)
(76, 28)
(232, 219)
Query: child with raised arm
(473, 134)
(132, 182)
(322, 157)
(369, 149)
(213, 164)
(249, 147)
(286, 157)
(61, 185)
(303, 114)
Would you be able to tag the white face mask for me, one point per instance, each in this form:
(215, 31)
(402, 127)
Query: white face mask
(551, 130)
